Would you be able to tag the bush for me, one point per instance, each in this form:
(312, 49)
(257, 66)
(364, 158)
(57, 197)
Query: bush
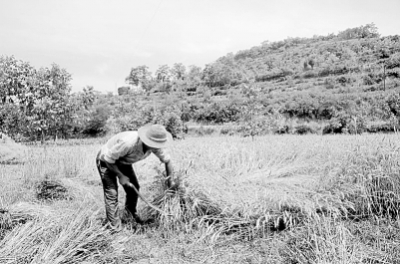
(342, 80)
(201, 130)
(172, 123)
(345, 123)
(356, 125)
(253, 127)
(393, 62)
(329, 83)
(393, 102)
(283, 129)
(324, 72)
(227, 130)
(123, 123)
(96, 126)
(394, 73)
(216, 113)
(381, 127)
(309, 74)
(303, 129)
(333, 127)
(367, 80)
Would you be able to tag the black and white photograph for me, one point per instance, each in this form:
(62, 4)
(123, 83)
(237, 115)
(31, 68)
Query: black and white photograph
(200, 132)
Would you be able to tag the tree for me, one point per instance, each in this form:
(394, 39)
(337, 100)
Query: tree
(17, 93)
(251, 109)
(89, 119)
(178, 71)
(35, 103)
(163, 73)
(194, 73)
(192, 79)
(17, 79)
(142, 77)
(367, 31)
(138, 75)
(215, 75)
(224, 71)
(52, 109)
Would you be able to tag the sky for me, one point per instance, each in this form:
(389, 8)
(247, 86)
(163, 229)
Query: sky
(98, 42)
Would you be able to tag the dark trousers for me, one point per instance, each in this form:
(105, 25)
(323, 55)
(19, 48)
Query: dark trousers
(110, 186)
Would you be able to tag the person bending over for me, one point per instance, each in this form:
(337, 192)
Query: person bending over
(115, 160)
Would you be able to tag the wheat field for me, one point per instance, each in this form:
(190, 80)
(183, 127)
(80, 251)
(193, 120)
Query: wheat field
(282, 199)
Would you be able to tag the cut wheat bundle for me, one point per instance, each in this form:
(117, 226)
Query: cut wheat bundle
(179, 204)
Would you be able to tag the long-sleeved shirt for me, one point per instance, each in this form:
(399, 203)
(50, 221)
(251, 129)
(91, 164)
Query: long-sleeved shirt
(126, 148)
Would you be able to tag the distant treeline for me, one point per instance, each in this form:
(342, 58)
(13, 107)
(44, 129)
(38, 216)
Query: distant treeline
(340, 83)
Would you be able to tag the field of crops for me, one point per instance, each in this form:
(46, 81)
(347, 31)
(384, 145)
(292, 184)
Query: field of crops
(280, 199)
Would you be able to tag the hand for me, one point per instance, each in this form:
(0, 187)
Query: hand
(173, 183)
(168, 181)
(129, 185)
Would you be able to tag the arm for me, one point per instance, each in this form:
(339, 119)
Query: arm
(123, 179)
(165, 158)
(169, 171)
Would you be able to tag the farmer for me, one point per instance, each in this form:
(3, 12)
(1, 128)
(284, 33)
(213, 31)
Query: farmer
(115, 160)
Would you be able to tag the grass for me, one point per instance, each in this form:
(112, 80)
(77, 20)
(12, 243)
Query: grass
(274, 199)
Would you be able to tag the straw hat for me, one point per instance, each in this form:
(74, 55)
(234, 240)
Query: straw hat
(155, 136)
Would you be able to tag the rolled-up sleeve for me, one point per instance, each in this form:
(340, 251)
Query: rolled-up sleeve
(118, 150)
(163, 155)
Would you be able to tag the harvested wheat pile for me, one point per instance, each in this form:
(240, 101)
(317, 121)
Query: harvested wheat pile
(52, 190)
(9, 221)
(19, 214)
(11, 152)
(42, 234)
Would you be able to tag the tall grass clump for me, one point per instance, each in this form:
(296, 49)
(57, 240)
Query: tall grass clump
(184, 208)
(370, 179)
(322, 240)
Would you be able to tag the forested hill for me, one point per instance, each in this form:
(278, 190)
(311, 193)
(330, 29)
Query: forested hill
(340, 83)
(352, 75)
(354, 60)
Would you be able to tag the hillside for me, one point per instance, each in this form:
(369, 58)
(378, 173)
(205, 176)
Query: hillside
(332, 80)
(340, 83)
(347, 62)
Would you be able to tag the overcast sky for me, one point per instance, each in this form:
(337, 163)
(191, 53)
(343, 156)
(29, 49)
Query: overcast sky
(98, 42)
